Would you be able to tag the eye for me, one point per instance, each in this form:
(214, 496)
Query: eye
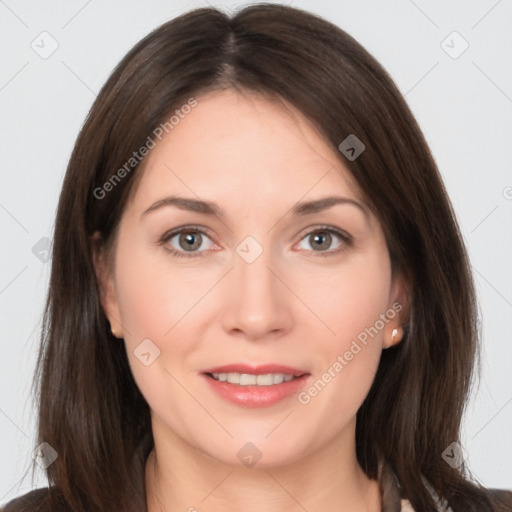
(187, 241)
(320, 239)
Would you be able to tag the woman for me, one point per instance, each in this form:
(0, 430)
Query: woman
(199, 352)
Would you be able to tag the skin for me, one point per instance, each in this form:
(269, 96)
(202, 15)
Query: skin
(256, 159)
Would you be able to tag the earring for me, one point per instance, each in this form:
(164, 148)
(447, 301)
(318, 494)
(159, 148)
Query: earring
(114, 333)
(394, 335)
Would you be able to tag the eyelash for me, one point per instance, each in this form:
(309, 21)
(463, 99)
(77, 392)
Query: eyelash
(347, 240)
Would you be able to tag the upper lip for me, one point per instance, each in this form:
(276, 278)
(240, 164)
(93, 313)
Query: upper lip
(255, 370)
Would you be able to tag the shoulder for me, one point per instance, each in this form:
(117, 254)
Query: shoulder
(45, 499)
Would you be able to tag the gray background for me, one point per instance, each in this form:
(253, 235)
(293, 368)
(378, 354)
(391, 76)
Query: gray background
(463, 105)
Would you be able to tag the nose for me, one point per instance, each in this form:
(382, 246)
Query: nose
(259, 303)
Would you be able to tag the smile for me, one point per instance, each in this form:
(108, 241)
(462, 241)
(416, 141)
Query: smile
(246, 379)
(255, 386)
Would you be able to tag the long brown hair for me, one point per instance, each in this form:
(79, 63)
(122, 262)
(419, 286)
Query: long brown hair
(90, 409)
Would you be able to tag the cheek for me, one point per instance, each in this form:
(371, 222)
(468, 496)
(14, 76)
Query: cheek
(153, 304)
(354, 301)
(351, 299)
(151, 294)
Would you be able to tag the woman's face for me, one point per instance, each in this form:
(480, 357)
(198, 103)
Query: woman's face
(268, 287)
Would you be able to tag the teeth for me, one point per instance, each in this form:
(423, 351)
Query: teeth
(246, 379)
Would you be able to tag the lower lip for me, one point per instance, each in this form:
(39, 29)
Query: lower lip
(256, 396)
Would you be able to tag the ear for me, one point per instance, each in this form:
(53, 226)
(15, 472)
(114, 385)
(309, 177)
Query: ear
(398, 312)
(106, 284)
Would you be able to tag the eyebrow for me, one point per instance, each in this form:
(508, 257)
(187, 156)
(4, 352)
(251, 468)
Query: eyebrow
(209, 208)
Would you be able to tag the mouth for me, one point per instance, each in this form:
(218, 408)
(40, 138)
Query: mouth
(247, 375)
(251, 386)
(247, 379)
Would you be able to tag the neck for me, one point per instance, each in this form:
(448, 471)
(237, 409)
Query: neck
(180, 477)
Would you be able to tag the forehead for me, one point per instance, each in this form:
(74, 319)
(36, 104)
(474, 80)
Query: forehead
(243, 149)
